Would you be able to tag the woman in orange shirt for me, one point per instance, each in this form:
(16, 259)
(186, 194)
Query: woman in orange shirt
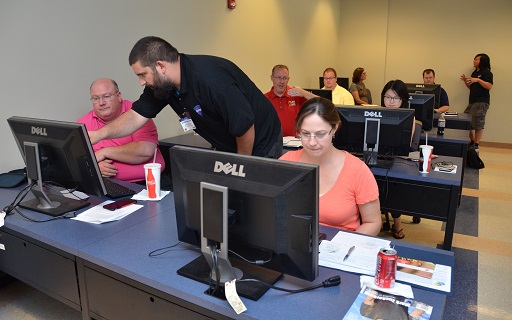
(349, 196)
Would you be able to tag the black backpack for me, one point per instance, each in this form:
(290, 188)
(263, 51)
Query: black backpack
(473, 160)
(13, 178)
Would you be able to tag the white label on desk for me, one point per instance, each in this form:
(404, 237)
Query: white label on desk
(2, 216)
(2, 246)
(233, 298)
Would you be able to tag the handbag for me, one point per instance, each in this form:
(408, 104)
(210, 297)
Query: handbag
(473, 160)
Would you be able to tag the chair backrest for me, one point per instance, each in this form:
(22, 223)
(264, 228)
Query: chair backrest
(415, 143)
(370, 100)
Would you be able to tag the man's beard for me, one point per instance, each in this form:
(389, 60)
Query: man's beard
(162, 88)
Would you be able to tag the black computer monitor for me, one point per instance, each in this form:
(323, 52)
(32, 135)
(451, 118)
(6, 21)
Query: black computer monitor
(273, 212)
(423, 104)
(378, 133)
(57, 153)
(321, 93)
(421, 88)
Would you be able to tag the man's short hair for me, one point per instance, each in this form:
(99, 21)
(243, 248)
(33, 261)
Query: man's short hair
(331, 70)
(148, 50)
(427, 71)
(280, 66)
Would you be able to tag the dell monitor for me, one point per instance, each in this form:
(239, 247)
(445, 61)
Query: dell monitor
(423, 104)
(378, 133)
(421, 88)
(321, 93)
(272, 214)
(60, 154)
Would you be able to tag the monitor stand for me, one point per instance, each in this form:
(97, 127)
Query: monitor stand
(199, 270)
(44, 202)
(60, 205)
(373, 160)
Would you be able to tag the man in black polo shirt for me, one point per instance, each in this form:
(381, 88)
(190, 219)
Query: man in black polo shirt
(211, 95)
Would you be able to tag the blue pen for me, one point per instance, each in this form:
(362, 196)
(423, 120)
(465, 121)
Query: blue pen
(349, 252)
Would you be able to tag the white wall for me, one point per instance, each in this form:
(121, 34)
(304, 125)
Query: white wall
(398, 39)
(52, 50)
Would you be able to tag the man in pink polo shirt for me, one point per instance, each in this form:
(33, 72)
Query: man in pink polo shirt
(121, 158)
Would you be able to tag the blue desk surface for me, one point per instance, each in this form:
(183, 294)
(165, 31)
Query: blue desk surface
(123, 247)
(126, 253)
(70, 235)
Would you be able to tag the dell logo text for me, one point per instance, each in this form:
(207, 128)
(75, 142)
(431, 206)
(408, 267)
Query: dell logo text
(39, 131)
(228, 168)
(373, 114)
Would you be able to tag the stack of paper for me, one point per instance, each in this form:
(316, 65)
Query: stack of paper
(100, 215)
(292, 142)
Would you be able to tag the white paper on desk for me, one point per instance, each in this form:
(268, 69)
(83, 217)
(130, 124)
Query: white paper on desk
(77, 195)
(399, 289)
(292, 142)
(453, 171)
(98, 214)
(363, 258)
(143, 195)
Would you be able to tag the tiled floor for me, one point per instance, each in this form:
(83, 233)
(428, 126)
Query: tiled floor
(482, 244)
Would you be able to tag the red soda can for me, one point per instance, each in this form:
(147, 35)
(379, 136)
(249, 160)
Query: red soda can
(385, 271)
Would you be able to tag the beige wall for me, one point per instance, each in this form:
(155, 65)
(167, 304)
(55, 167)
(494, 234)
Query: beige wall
(397, 39)
(52, 50)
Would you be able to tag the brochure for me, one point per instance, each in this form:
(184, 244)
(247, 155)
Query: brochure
(424, 273)
(374, 304)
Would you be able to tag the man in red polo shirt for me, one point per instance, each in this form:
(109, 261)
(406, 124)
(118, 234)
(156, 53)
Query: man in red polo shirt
(286, 100)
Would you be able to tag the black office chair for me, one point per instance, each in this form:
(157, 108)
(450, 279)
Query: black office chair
(415, 143)
(370, 100)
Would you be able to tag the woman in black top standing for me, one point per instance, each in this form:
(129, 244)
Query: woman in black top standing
(479, 85)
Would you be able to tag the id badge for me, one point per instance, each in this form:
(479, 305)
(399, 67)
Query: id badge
(187, 124)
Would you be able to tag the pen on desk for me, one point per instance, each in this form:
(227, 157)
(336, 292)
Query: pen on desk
(349, 252)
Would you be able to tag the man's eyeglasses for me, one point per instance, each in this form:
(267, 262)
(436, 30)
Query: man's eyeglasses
(318, 135)
(105, 97)
(281, 78)
(329, 78)
(392, 99)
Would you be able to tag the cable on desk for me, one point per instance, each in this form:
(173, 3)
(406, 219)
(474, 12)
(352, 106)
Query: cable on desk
(256, 262)
(21, 195)
(153, 253)
(216, 289)
(331, 282)
(51, 184)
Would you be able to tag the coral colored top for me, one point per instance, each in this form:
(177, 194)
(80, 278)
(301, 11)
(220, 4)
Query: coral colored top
(355, 185)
